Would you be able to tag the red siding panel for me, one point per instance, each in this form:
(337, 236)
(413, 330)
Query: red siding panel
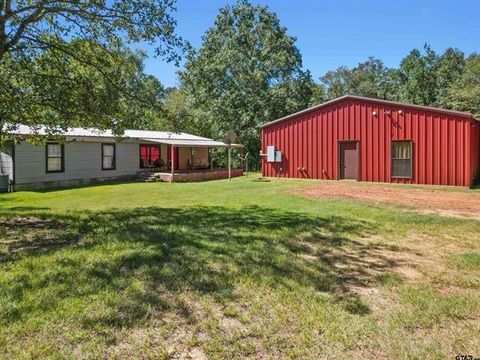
(474, 141)
(446, 147)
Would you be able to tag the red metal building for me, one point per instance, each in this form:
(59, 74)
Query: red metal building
(374, 140)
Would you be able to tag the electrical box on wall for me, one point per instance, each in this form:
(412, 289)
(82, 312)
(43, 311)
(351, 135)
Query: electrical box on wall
(271, 153)
(278, 156)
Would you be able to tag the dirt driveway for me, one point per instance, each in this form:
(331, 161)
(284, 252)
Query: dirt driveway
(446, 202)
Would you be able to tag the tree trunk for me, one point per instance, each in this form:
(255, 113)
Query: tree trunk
(5, 8)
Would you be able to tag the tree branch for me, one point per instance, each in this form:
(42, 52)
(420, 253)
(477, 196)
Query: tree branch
(32, 18)
(97, 68)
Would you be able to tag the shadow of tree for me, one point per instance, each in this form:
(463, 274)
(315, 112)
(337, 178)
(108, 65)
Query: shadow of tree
(30, 235)
(147, 256)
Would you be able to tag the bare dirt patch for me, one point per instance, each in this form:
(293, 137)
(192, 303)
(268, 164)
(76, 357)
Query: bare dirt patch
(32, 234)
(425, 200)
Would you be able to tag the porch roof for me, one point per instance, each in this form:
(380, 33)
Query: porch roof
(192, 142)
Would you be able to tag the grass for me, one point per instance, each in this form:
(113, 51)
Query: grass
(241, 269)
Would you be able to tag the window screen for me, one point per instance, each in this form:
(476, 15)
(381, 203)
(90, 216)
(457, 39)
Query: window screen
(108, 156)
(54, 155)
(402, 159)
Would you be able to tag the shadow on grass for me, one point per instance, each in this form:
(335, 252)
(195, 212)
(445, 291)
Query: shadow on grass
(144, 257)
(262, 179)
(88, 184)
(32, 235)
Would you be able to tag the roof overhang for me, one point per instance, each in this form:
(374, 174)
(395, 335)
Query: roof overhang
(96, 135)
(192, 143)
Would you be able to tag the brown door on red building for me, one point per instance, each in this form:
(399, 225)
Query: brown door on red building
(348, 160)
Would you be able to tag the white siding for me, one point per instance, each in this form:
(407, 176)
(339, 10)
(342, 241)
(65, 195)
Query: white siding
(83, 161)
(6, 161)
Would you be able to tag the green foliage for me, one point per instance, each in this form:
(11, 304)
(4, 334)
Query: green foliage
(370, 78)
(28, 27)
(417, 77)
(64, 63)
(63, 86)
(318, 95)
(178, 114)
(336, 82)
(448, 69)
(464, 94)
(423, 78)
(247, 72)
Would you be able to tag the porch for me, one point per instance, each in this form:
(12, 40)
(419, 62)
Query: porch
(169, 160)
(189, 175)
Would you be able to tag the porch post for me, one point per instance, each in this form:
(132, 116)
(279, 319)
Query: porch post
(229, 163)
(210, 158)
(172, 159)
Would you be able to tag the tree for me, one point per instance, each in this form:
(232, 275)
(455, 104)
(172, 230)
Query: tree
(417, 77)
(464, 94)
(366, 77)
(39, 45)
(449, 68)
(369, 78)
(318, 95)
(388, 85)
(247, 72)
(423, 78)
(26, 26)
(337, 82)
(177, 115)
(57, 90)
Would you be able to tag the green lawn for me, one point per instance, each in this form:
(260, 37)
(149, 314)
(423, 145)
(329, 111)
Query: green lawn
(240, 269)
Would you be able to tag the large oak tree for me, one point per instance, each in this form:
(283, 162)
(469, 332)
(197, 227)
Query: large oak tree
(64, 63)
(247, 72)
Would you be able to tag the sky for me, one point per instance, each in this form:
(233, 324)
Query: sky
(334, 33)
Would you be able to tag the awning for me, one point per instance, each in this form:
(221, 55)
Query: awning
(192, 143)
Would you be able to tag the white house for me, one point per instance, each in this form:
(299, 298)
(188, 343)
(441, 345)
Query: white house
(89, 155)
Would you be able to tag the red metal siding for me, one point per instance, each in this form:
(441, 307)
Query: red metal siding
(474, 140)
(446, 147)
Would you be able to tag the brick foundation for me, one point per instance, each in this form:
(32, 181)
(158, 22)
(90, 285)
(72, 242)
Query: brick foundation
(199, 175)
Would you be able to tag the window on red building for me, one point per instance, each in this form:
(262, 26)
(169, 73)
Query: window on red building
(402, 159)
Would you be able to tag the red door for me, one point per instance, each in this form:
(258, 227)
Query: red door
(348, 160)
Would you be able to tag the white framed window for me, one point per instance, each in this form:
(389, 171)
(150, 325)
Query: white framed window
(54, 157)
(108, 157)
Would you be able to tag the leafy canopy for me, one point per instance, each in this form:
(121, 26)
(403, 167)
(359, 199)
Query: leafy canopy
(64, 63)
(248, 71)
(464, 94)
(423, 77)
(370, 78)
(28, 26)
(57, 89)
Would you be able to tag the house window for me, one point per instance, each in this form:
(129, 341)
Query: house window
(108, 156)
(402, 159)
(150, 156)
(55, 154)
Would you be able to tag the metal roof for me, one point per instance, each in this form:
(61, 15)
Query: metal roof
(380, 101)
(96, 133)
(192, 142)
(161, 137)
